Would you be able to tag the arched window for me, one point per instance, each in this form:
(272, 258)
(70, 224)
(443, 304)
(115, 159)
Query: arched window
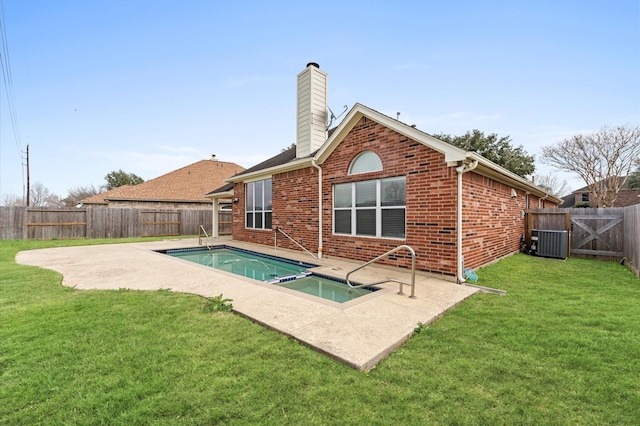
(365, 162)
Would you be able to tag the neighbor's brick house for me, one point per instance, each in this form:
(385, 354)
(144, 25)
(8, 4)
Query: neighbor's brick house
(383, 183)
(582, 197)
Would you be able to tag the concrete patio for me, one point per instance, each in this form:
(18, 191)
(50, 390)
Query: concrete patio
(359, 333)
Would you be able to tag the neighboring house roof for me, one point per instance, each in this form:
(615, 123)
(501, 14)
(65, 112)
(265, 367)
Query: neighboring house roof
(621, 179)
(453, 155)
(568, 201)
(627, 197)
(101, 198)
(187, 184)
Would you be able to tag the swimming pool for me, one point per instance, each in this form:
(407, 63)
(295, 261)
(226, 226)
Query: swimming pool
(275, 270)
(242, 262)
(327, 288)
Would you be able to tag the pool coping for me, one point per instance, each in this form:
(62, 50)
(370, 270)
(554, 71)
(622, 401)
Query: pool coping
(359, 333)
(315, 268)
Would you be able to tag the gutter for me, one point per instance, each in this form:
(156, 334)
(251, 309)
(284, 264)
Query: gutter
(541, 201)
(313, 163)
(466, 166)
(296, 164)
(492, 170)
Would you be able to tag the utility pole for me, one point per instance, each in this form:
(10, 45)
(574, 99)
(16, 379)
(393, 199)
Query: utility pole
(28, 181)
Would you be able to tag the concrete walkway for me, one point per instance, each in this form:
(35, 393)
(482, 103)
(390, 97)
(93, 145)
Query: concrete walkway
(359, 333)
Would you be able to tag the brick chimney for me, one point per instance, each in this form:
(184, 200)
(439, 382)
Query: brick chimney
(312, 110)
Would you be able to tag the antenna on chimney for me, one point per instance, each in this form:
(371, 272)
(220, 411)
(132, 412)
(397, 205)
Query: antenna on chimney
(333, 117)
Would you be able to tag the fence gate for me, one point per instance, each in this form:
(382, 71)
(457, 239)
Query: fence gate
(598, 232)
(593, 232)
(160, 223)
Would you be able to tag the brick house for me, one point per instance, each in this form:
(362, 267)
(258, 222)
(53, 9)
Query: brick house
(373, 183)
(582, 197)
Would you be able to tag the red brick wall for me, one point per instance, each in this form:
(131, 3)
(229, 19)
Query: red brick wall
(492, 222)
(430, 214)
(295, 211)
(295, 208)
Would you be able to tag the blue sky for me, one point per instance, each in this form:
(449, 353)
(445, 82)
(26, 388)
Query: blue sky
(152, 86)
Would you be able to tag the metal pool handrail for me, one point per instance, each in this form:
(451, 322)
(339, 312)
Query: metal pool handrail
(413, 271)
(294, 241)
(208, 238)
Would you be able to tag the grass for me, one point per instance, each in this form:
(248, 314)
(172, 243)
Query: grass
(561, 347)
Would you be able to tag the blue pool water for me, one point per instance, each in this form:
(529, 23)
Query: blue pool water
(273, 269)
(243, 263)
(327, 288)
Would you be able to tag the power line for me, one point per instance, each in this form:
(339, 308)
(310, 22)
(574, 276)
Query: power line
(5, 65)
(7, 78)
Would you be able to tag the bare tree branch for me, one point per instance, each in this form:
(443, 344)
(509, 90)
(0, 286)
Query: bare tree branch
(42, 197)
(12, 200)
(602, 159)
(552, 184)
(79, 193)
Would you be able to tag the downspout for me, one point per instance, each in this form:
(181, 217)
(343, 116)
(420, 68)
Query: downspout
(541, 200)
(465, 167)
(313, 163)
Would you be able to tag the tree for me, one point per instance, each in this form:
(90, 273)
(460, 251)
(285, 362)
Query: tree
(293, 145)
(602, 159)
(494, 148)
(40, 196)
(79, 193)
(119, 178)
(552, 184)
(633, 181)
(12, 200)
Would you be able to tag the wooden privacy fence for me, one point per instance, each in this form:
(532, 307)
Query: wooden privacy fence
(632, 236)
(104, 222)
(608, 233)
(225, 222)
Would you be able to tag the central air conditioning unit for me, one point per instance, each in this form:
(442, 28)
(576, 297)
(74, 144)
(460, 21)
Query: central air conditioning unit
(549, 243)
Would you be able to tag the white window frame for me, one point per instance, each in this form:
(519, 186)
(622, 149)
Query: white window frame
(263, 213)
(365, 162)
(378, 210)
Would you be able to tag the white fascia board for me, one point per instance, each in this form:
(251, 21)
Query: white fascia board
(226, 194)
(267, 173)
(452, 153)
(490, 169)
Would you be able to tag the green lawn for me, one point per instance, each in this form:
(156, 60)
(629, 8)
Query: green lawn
(562, 347)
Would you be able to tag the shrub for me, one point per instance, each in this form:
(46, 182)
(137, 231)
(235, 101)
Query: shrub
(218, 304)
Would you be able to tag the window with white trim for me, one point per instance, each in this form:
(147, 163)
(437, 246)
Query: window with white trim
(370, 208)
(258, 204)
(365, 162)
